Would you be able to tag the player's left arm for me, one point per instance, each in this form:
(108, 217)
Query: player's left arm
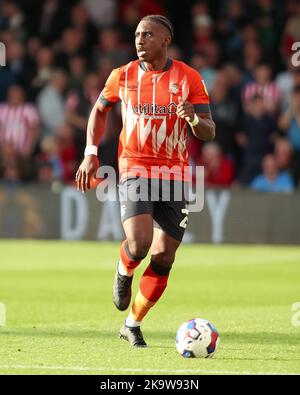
(195, 108)
(205, 128)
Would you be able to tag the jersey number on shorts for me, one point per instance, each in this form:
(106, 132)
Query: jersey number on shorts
(183, 223)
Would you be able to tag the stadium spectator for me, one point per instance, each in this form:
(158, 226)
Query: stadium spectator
(33, 44)
(16, 61)
(225, 114)
(129, 16)
(285, 82)
(72, 43)
(104, 69)
(200, 8)
(248, 40)
(49, 157)
(110, 47)
(12, 174)
(263, 86)
(142, 8)
(109, 143)
(32, 47)
(43, 69)
(45, 173)
(194, 147)
(67, 151)
(212, 53)
(102, 13)
(3, 20)
(10, 166)
(272, 180)
(51, 18)
(234, 78)
(80, 101)
(203, 32)
(256, 138)
(78, 106)
(12, 18)
(218, 169)
(289, 122)
(51, 103)
(19, 122)
(266, 20)
(15, 169)
(252, 55)
(78, 67)
(292, 7)
(7, 37)
(14, 71)
(79, 19)
(291, 31)
(199, 62)
(249, 35)
(283, 154)
(237, 32)
(175, 52)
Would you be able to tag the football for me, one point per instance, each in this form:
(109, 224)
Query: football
(197, 338)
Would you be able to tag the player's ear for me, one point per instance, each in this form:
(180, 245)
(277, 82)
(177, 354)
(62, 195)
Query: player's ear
(167, 41)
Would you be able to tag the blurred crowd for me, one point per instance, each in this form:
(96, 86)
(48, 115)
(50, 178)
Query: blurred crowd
(59, 54)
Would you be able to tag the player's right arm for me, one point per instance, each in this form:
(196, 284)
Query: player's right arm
(95, 129)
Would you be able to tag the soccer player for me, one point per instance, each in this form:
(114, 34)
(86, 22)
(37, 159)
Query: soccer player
(160, 97)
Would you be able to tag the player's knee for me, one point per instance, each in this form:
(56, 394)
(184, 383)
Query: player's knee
(164, 259)
(139, 248)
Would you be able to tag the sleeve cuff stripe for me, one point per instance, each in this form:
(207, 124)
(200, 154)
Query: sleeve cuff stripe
(201, 108)
(105, 102)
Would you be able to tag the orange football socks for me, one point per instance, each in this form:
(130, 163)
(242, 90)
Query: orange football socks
(153, 283)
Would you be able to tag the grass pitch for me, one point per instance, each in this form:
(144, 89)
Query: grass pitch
(61, 320)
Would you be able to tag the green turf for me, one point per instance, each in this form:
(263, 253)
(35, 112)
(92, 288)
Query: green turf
(60, 317)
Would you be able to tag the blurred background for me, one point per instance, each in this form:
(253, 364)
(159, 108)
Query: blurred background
(58, 57)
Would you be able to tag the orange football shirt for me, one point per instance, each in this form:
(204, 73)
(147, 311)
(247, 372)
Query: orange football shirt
(153, 135)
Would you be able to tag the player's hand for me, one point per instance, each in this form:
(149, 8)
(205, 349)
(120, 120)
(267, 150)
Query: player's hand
(186, 110)
(86, 171)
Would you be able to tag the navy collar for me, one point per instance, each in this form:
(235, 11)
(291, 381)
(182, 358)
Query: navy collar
(166, 67)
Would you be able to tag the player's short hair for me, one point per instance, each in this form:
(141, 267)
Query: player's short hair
(162, 20)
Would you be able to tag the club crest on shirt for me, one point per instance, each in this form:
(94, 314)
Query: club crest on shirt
(173, 88)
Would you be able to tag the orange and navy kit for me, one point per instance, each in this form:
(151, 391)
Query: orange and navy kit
(152, 134)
